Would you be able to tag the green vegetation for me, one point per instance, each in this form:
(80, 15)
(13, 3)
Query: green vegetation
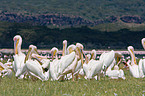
(104, 15)
(105, 87)
(88, 9)
(114, 27)
(44, 37)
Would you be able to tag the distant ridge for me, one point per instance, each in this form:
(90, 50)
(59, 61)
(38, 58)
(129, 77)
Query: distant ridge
(65, 20)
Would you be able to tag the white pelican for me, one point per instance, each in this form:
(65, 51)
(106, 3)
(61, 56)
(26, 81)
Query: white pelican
(116, 73)
(57, 67)
(87, 59)
(142, 61)
(93, 67)
(19, 57)
(75, 67)
(135, 70)
(34, 66)
(54, 64)
(107, 59)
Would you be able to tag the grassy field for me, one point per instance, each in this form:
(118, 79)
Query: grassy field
(105, 87)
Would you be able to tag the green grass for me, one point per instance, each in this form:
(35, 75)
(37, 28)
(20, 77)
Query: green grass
(105, 87)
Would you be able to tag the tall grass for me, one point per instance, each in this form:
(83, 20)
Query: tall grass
(104, 87)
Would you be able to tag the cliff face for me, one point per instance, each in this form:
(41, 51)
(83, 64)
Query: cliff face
(63, 20)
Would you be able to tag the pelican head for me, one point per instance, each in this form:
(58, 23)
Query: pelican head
(64, 47)
(79, 45)
(71, 48)
(143, 42)
(65, 42)
(54, 52)
(93, 54)
(118, 56)
(79, 48)
(17, 44)
(80, 52)
(32, 49)
(88, 56)
(116, 67)
(131, 51)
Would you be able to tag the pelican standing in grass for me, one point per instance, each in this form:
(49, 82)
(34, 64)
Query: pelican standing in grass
(75, 67)
(19, 57)
(79, 66)
(135, 70)
(107, 59)
(88, 57)
(61, 65)
(68, 67)
(34, 66)
(116, 73)
(142, 61)
(93, 67)
(54, 64)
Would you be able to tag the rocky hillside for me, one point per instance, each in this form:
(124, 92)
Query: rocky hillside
(72, 12)
(64, 20)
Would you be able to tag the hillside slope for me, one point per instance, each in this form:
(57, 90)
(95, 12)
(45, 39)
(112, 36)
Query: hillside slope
(73, 12)
(88, 9)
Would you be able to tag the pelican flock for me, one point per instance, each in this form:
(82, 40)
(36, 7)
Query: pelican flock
(74, 63)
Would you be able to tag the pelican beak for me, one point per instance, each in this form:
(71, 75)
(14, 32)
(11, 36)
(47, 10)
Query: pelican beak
(117, 59)
(92, 56)
(16, 46)
(52, 54)
(37, 58)
(133, 57)
(28, 54)
(63, 50)
(36, 51)
(40, 57)
(144, 45)
(82, 53)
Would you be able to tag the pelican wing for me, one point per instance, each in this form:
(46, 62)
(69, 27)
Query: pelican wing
(113, 73)
(134, 70)
(35, 68)
(96, 67)
(19, 61)
(92, 68)
(54, 69)
(141, 67)
(65, 61)
(46, 63)
(107, 58)
(71, 67)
